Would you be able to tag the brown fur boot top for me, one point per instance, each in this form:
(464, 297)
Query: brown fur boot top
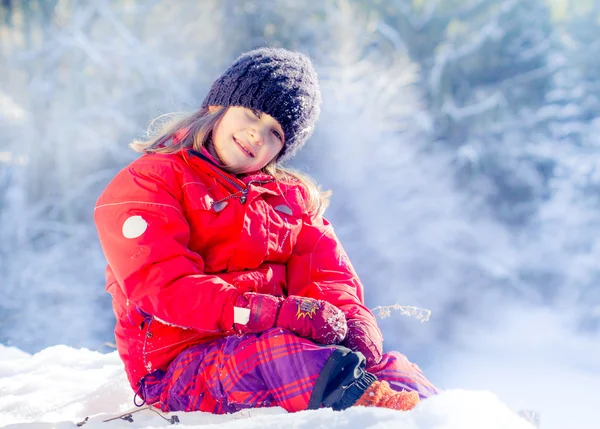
(380, 394)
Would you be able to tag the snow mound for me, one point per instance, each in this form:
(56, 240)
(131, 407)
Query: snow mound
(61, 386)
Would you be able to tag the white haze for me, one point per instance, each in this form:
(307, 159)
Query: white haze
(513, 308)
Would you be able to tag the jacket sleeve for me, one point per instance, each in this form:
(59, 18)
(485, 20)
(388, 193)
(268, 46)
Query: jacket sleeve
(144, 235)
(319, 268)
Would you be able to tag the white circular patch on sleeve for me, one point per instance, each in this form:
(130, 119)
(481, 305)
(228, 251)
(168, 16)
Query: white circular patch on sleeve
(134, 227)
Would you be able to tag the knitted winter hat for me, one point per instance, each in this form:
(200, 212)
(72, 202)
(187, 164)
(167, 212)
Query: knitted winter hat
(278, 82)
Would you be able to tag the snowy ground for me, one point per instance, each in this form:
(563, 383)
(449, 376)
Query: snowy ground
(532, 359)
(60, 386)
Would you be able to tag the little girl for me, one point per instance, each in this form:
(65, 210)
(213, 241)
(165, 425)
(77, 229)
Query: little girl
(230, 289)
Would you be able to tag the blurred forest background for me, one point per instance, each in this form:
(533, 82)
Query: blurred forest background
(460, 138)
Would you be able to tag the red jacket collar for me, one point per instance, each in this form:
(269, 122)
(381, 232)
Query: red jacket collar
(207, 164)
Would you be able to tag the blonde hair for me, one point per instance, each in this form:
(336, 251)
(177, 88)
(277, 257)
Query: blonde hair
(194, 131)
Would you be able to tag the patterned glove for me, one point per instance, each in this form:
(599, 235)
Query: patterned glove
(365, 338)
(255, 312)
(314, 319)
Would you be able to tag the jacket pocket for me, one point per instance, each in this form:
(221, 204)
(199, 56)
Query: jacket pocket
(137, 317)
(198, 196)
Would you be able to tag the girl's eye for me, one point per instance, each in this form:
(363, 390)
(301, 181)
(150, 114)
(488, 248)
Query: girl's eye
(257, 113)
(278, 135)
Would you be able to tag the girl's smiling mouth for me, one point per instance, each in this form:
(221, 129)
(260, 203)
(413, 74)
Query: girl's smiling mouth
(244, 147)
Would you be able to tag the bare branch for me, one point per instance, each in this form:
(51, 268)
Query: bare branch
(421, 314)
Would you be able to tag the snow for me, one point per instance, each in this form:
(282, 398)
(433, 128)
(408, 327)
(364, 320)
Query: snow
(60, 386)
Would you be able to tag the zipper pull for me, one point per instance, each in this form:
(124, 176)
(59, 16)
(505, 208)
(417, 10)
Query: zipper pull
(244, 196)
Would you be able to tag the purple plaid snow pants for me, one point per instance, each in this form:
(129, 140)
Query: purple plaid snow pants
(275, 368)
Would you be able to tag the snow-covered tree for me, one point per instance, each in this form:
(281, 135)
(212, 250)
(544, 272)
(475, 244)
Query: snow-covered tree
(579, 25)
(87, 78)
(458, 137)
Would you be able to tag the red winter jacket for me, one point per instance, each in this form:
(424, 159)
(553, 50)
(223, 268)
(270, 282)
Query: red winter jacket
(183, 239)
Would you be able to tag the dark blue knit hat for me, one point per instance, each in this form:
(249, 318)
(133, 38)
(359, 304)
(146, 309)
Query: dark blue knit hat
(278, 82)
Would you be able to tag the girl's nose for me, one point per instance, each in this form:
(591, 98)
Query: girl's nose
(256, 136)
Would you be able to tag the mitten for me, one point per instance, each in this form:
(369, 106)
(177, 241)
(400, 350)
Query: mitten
(255, 312)
(314, 319)
(380, 394)
(365, 338)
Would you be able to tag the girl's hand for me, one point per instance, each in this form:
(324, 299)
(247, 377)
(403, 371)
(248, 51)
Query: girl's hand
(314, 319)
(255, 312)
(364, 338)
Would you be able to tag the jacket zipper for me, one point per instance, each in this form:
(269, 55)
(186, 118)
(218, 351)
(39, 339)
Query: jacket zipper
(243, 189)
(238, 184)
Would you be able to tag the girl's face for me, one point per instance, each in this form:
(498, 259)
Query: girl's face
(246, 140)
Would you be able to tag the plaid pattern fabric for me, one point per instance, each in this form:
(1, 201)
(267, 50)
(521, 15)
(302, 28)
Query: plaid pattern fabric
(401, 374)
(275, 368)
